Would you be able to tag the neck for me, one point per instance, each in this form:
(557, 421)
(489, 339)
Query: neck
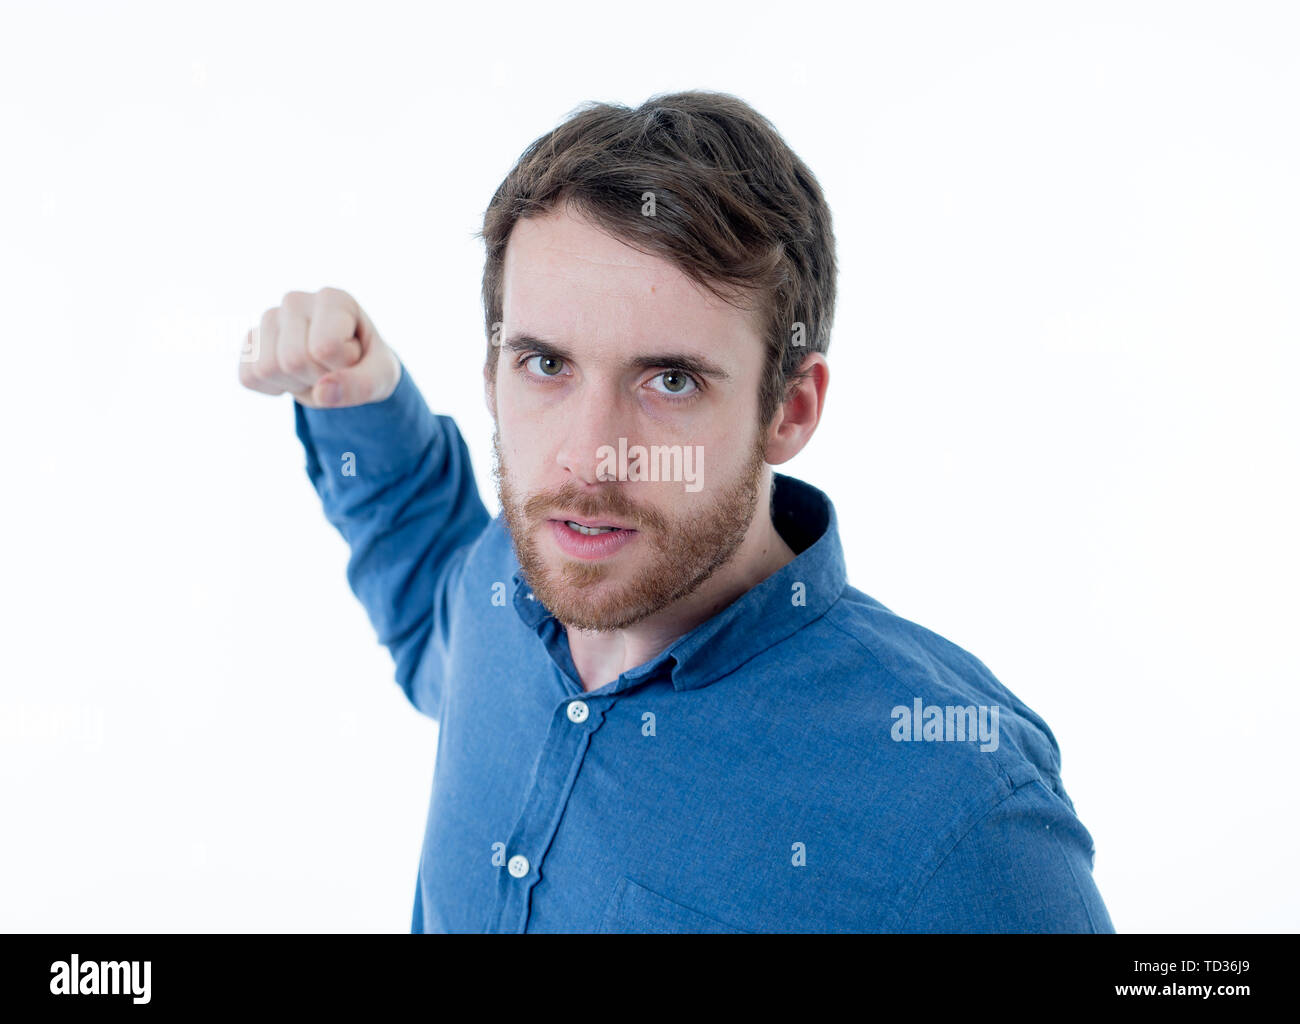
(601, 657)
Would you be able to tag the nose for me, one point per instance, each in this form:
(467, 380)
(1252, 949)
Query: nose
(591, 431)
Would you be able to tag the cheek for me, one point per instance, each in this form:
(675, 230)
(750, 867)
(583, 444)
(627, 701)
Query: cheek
(523, 445)
(512, 412)
(522, 409)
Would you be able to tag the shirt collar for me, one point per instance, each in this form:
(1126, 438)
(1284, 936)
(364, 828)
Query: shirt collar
(767, 613)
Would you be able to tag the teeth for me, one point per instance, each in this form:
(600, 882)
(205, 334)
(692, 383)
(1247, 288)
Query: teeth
(589, 531)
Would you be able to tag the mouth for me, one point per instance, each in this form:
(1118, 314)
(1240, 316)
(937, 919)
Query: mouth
(591, 527)
(590, 540)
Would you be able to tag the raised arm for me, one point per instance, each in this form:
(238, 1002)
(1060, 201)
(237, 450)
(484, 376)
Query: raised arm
(393, 478)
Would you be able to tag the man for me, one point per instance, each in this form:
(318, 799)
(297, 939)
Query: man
(662, 708)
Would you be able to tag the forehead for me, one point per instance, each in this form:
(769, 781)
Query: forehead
(562, 276)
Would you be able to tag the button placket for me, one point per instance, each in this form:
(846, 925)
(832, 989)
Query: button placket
(558, 768)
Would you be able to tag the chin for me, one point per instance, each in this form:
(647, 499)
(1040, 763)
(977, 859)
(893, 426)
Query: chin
(594, 609)
(598, 624)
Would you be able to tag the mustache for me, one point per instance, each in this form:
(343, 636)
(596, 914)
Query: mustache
(611, 503)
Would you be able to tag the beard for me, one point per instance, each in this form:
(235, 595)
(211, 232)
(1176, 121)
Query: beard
(677, 553)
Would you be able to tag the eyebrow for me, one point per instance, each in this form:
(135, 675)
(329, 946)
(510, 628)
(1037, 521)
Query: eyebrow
(677, 360)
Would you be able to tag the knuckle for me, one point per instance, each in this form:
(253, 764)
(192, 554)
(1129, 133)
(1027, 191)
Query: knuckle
(324, 346)
(267, 361)
(295, 302)
(293, 362)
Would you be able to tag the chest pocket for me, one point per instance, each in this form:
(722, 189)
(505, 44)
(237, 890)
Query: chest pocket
(634, 908)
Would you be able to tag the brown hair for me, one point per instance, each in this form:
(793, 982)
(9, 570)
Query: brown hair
(734, 208)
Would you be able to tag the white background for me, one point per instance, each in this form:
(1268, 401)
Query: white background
(1061, 427)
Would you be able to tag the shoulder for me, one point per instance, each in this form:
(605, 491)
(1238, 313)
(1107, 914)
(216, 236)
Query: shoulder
(895, 711)
(958, 766)
(934, 691)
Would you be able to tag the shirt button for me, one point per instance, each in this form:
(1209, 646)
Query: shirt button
(518, 865)
(578, 711)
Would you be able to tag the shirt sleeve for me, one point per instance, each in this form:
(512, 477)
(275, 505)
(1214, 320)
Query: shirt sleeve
(397, 483)
(1025, 866)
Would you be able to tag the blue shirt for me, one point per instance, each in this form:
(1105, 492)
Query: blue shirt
(803, 761)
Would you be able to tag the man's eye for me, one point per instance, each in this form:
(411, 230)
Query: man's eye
(548, 366)
(676, 383)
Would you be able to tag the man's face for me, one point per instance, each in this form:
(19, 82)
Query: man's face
(624, 322)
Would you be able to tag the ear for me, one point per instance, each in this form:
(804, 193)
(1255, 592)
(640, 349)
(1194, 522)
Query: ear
(796, 419)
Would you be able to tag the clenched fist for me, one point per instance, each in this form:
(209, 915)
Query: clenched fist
(321, 348)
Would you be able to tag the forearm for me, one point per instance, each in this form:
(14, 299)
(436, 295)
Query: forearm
(397, 483)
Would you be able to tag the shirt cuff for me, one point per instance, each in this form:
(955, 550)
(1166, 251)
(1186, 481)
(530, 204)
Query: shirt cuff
(384, 436)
